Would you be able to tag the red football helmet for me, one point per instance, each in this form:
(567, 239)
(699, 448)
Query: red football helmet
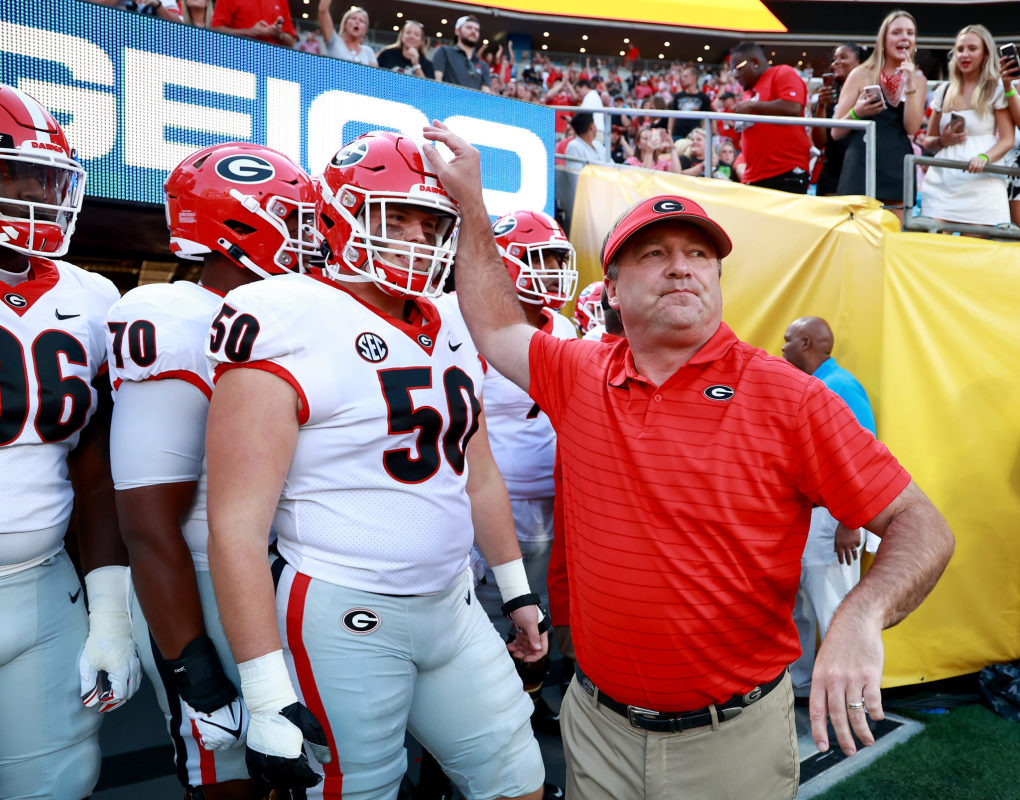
(538, 256)
(42, 185)
(588, 312)
(385, 217)
(246, 201)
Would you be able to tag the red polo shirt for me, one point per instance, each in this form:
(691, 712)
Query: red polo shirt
(771, 150)
(240, 14)
(686, 508)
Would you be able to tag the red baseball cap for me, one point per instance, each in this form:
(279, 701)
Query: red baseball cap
(657, 209)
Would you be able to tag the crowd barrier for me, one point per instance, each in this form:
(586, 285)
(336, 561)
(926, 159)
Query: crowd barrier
(928, 324)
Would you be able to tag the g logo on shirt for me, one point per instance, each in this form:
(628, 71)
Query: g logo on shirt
(360, 621)
(668, 207)
(245, 169)
(719, 392)
(15, 300)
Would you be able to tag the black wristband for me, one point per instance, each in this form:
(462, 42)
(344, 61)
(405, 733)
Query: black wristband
(520, 601)
(199, 676)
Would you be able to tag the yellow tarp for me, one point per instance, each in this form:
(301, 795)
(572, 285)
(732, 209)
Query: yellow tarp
(724, 15)
(930, 326)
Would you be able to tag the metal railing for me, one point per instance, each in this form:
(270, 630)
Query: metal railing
(706, 118)
(932, 225)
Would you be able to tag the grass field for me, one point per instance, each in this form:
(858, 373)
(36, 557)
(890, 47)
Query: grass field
(969, 753)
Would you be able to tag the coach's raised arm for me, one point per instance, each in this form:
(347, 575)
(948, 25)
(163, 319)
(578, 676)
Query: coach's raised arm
(686, 513)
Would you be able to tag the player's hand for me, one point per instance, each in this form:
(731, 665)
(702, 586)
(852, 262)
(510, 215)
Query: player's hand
(223, 728)
(279, 727)
(275, 747)
(845, 683)
(461, 176)
(845, 544)
(108, 667)
(528, 645)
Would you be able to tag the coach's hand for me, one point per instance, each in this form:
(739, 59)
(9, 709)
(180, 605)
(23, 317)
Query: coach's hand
(108, 668)
(461, 176)
(279, 727)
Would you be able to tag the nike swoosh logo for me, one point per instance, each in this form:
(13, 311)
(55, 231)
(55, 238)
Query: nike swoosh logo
(235, 732)
(74, 597)
(65, 316)
(455, 346)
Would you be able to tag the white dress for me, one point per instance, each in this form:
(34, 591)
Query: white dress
(960, 196)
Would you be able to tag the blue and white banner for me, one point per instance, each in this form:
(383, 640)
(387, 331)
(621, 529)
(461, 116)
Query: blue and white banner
(136, 94)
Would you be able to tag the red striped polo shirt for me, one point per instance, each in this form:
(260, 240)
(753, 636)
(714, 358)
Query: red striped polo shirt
(686, 508)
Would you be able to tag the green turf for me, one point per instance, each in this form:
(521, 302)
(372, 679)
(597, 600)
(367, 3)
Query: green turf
(970, 753)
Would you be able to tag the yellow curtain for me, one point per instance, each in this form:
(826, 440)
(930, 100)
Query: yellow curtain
(929, 325)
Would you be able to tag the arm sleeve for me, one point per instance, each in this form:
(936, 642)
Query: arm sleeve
(844, 467)
(157, 434)
(790, 86)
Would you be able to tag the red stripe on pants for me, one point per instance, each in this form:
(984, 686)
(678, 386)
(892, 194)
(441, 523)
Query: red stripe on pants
(332, 787)
(206, 759)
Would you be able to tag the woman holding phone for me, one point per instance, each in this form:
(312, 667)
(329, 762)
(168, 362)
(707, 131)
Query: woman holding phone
(889, 89)
(844, 58)
(969, 122)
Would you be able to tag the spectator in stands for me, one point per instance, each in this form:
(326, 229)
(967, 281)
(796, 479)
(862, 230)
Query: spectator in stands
(726, 154)
(692, 161)
(585, 146)
(164, 9)
(1009, 68)
(689, 98)
(726, 104)
(897, 110)
(407, 54)
(844, 59)
(268, 21)
(649, 151)
(197, 9)
(974, 96)
(348, 42)
(309, 43)
(503, 64)
(460, 63)
(591, 99)
(777, 156)
(619, 148)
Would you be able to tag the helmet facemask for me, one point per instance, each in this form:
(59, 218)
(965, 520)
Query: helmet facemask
(550, 280)
(41, 193)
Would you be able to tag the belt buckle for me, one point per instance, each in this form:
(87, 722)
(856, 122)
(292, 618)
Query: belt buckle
(636, 714)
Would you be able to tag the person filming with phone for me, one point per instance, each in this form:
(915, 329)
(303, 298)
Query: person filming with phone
(890, 90)
(969, 122)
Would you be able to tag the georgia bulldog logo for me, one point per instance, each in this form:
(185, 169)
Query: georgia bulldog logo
(360, 621)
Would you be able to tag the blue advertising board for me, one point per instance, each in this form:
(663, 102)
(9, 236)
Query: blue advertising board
(136, 94)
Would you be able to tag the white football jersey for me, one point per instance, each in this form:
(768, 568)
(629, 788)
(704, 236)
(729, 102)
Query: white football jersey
(375, 497)
(521, 436)
(156, 332)
(51, 348)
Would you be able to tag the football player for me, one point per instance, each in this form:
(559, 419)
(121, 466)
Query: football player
(240, 210)
(588, 311)
(58, 665)
(348, 393)
(542, 263)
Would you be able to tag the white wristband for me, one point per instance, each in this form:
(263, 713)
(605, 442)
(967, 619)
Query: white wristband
(511, 579)
(265, 683)
(107, 590)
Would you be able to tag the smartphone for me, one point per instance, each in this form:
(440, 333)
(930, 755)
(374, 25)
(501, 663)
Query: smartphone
(876, 91)
(1010, 50)
(828, 79)
(957, 122)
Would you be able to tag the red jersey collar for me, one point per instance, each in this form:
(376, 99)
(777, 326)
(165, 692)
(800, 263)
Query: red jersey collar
(42, 276)
(424, 317)
(621, 367)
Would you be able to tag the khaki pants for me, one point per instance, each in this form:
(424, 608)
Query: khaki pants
(751, 756)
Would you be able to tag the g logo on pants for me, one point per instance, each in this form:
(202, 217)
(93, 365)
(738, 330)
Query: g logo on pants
(360, 621)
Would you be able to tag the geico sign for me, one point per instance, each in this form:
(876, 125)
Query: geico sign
(147, 112)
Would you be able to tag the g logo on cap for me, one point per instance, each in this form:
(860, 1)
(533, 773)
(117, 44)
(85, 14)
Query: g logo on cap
(668, 207)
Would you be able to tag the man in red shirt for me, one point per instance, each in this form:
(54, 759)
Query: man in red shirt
(683, 549)
(777, 155)
(265, 20)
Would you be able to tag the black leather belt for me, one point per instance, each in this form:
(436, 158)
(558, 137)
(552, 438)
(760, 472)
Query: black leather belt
(674, 721)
